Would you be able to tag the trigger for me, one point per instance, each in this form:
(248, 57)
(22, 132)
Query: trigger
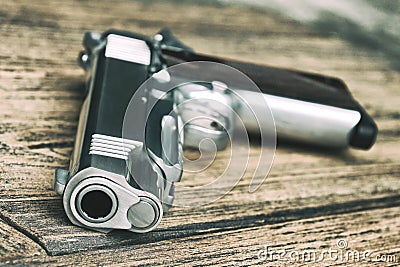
(170, 140)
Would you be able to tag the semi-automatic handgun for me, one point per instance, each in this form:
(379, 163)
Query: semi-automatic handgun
(127, 182)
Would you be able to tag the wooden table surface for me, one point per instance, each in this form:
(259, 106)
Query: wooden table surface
(312, 198)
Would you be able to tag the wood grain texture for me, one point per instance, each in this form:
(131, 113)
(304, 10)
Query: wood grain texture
(311, 199)
(16, 245)
(240, 247)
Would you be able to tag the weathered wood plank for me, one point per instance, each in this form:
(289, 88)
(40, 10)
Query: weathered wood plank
(14, 245)
(237, 209)
(309, 192)
(372, 230)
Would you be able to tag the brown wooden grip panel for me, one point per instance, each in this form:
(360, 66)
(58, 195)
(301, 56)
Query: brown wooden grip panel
(281, 82)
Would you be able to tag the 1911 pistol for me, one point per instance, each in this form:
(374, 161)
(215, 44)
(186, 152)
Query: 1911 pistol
(101, 192)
